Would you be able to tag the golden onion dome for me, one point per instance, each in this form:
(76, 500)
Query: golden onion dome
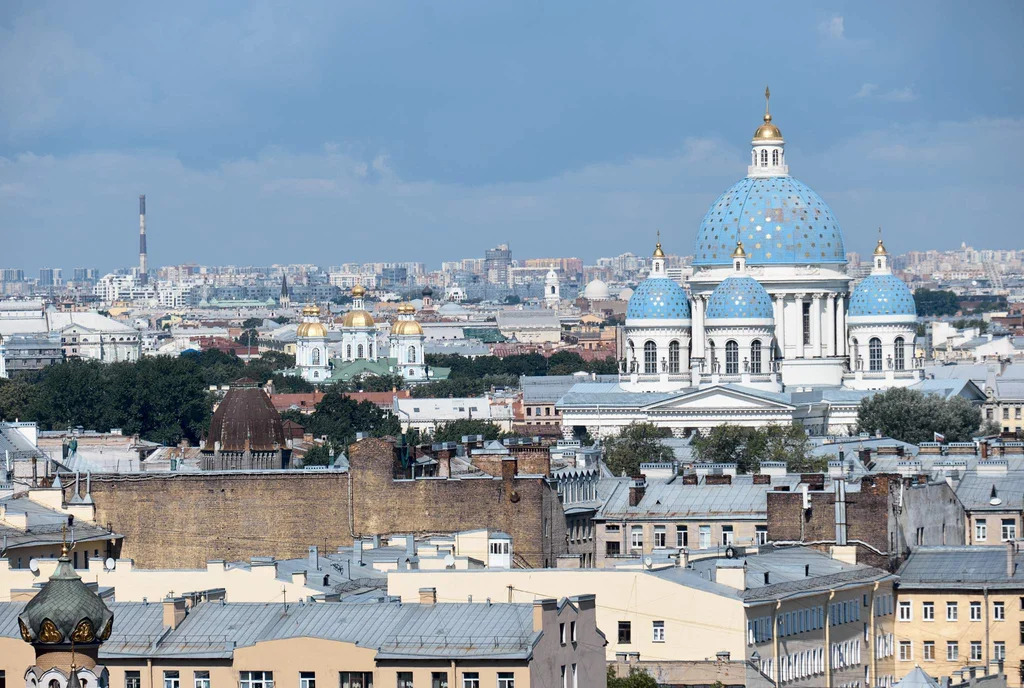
(739, 252)
(767, 131)
(658, 253)
(880, 249)
(407, 327)
(358, 319)
(311, 311)
(358, 291)
(406, 309)
(311, 329)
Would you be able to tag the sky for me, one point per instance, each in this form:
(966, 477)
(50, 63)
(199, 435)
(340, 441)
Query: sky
(330, 131)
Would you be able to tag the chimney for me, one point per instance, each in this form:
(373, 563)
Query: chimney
(637, 488)
(762, 479)
(357, 551)
(984, 450)
(1011, 551)
(540, 607)
(509, 468)
(410, 545)
(174, 612)
(314, 558)
(428, 595)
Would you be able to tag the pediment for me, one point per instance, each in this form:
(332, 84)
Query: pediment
(724, 398)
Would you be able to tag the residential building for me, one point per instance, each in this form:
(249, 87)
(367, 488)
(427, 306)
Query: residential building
(961, 607)
(993, 501)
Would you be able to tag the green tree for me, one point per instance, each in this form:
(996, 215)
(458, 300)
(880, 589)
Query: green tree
(635, 444)
(637, 678)
(251, 323)
(748, 447)
(936, 302)
(455, 430)
(320, 455)
(911, 416)
(339, 418)
(16, 398)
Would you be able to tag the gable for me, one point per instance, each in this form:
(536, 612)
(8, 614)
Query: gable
(714, 398)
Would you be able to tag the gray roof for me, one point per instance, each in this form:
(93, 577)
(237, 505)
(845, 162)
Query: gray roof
(214, 629)
(668, 499)
(960, 566)
(975, 489)
(949, 388)
(917, 679)
(538, 389)
(611, 394)
(44, 526)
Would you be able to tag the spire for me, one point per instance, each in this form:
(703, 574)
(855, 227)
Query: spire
(658, 253)
(658, 259)
(767, 111)
(881, 257)
(768, 157)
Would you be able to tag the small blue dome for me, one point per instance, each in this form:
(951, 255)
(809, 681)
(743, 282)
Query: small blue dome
(740, 297)
(779, 220)
(658, 298)
(882, 295)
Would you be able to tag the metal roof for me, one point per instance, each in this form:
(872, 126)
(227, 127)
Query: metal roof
(975, 489)
(960, 566)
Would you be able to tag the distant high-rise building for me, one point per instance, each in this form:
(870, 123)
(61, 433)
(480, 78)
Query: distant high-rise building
(142, 239)
(85, 275)
(50, 277)
(496, 262)
(12, 275)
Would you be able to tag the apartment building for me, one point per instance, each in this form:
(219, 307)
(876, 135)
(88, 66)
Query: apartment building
(961, 607)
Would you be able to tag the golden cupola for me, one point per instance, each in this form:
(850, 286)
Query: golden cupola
(311, 325)
(406, 324)
(358, 316)
(767, 131)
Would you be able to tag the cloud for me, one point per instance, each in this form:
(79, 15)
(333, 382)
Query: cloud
(905, 94)
(833, 28)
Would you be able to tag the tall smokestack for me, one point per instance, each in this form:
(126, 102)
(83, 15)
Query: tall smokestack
(142, 239)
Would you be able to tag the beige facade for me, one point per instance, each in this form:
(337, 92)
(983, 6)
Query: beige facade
(637, 537)
(945, 630)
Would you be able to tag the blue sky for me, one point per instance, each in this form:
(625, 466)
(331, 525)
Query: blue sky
(326, 132)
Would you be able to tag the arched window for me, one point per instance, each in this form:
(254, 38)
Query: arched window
(673, 356)
(875, 353)
(775, 157)
(359, 351)
(732, 357)
(899, 354)
(369, 350)
(764, 157)
(650, 357)
(348, 351)
(316, 357)
(412, 354)
(755, 356)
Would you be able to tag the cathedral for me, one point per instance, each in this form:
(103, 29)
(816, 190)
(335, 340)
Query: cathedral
(767, 328)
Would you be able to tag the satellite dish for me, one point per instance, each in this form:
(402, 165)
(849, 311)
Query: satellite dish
(449, 561)
(109, 564)
(648, 561)
(730, 552)
(995, 501)
(33, 565)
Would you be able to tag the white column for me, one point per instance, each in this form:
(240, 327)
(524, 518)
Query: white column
(830, 325)
(798, 306)
(780, 322)
(698, 326)
(816, 325)
(842, 336)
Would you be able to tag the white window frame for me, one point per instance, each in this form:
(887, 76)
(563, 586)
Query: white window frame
(906, 611)
(657, 631)
(999, 611)
(980, 530)
(906, 651)
(952, 611)
(927, 611)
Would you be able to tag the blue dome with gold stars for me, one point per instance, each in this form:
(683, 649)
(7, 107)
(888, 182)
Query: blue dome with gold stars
(780, 221)
(740, 297)
(883, 294)
(658, 298)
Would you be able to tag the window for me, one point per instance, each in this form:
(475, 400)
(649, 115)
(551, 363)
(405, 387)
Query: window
(625, 633)
(1022, 632)
(412, 354)
(132, 679)
(726, 536)
(637, 537)
(470, 679)
(404, 679)
(760, 535)
(561, 633)
(265, 679)
(775, 156)
(999, 611)
(572, 631)
(981, 531)
(732, 357)
(659, 536)
(658, 631)
(875, 354)
(575, 677)
(439, 679)
(673, 357)
(201, 679)
(999, 650)
(899, 354)
(952, 651)
(565, 677)
(929, 650)
(807, 323)
(1006, 413)
(1009, 529)
(355, 679)
(952, 611)
(359, 351)
(611, 528)
(171, 679)
(682, 537)
(704, 537)
(906, 651)
(906, 612)
(506, 679)
(975, 611)
(612, 549)
(975, 650)
(650, 358)
(928, 611)
(764, 157)
(755, 357)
